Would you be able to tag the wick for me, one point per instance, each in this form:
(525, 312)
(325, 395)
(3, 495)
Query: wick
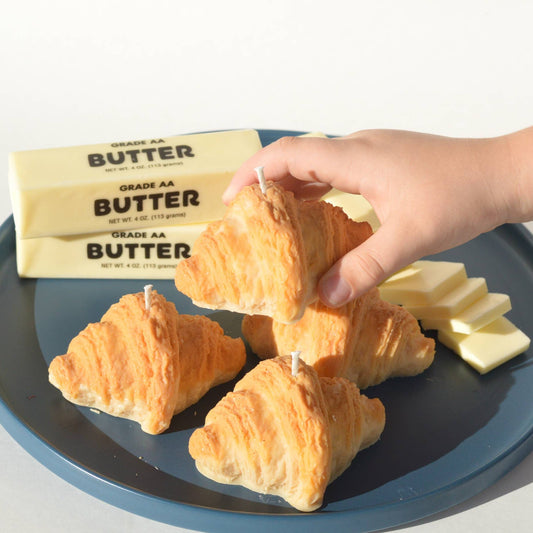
(261, 177)
(295, 362)
(148, 296)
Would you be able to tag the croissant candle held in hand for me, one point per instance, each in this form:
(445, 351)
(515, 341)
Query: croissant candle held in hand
(267, 254)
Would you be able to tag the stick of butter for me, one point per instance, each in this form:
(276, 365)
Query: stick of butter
(475, 316)
(147, 253)
(422, 282)
(488, 347)
(125, 185)
(466, 293)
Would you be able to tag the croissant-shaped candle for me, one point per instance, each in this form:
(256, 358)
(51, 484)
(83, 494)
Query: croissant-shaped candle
(366, 341)
(267, 254)
(286, 435)
(146, 364)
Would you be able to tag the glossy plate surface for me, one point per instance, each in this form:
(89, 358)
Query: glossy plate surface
(450, 432)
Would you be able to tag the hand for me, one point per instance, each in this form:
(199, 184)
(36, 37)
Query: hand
(430, 193)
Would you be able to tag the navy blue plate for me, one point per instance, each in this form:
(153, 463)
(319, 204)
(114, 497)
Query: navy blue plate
(450, 432)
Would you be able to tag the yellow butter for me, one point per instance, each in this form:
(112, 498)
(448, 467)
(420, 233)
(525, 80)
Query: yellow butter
(488, 347)
(354, 205)
(482, 312)
(125, 185)
(460, 297)
(147, 253)
(423, 283)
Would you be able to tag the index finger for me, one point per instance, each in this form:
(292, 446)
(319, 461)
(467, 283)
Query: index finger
(292, 160)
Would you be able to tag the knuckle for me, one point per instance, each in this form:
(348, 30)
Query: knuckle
(287, 143)
(366, 271)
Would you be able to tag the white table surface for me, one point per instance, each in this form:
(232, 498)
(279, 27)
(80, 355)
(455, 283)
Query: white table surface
(95, 71)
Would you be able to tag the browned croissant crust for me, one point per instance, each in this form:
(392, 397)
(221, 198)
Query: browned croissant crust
(267, 254)
(367, 340)
(286, 435)
(146, 365)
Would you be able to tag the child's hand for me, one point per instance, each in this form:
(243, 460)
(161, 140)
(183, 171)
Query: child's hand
(430, 193)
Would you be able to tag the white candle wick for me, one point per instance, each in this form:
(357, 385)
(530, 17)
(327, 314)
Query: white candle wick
(295, 362)
(148, 296)
(261, 178)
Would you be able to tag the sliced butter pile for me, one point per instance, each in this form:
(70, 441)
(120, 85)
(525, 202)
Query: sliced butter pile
(459, 297)
(151, 253)
(125, 185)
(468, 318)
(423, 283)
(488, 347)
(482, 312)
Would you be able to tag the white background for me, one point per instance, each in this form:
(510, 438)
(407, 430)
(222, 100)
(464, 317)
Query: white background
(84, 72)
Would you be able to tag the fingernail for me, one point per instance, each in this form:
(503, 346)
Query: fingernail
(335, 291)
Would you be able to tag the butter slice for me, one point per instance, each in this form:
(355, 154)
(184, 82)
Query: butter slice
(479, 314)
(148, 253)
(354, 205)
(125, 185)
(466, 293)
(488, 347)
(422, 283)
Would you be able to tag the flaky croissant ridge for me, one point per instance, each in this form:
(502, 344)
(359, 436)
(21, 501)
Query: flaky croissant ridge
(286, 435)
(267, 254)
(146, 365)
(366, 341)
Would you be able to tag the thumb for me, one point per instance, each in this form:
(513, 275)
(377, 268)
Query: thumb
(366, 266)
